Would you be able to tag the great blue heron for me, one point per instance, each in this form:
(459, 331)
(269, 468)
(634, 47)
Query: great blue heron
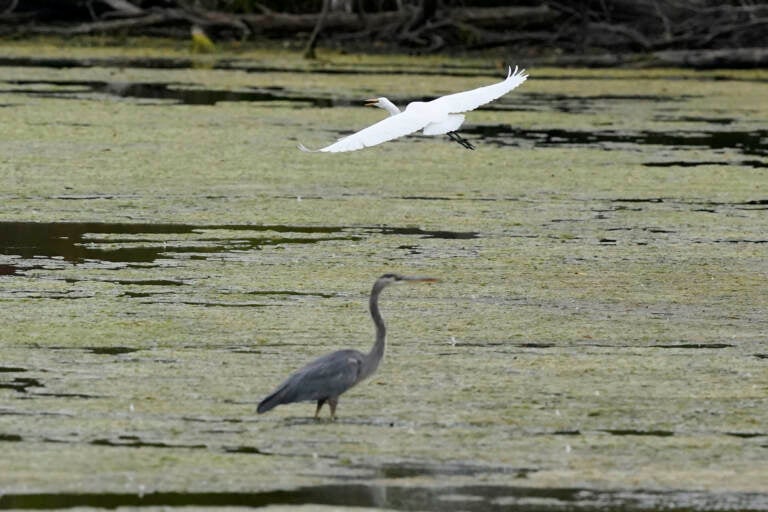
(327, 377)
(441, 115)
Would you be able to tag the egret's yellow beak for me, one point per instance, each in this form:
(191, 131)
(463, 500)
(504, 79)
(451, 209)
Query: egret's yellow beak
(371, 102)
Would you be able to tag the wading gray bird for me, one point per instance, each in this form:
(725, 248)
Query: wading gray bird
(327, 377)
(436, 117)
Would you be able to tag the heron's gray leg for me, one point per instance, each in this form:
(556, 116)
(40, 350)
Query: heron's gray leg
(319, 406)
(461, 140)
(332, 403)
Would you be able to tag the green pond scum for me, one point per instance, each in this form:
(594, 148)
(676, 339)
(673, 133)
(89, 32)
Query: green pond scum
(168, 256)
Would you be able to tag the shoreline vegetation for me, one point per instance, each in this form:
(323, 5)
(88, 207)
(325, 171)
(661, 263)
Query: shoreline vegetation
(608, 33)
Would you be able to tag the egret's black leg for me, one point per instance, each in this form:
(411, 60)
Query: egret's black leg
(319, 406)
(461, 140)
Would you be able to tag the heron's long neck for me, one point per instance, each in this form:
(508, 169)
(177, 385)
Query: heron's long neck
(374, 357)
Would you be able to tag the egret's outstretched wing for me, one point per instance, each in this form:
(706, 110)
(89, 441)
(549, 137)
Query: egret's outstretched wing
(390, 128)
(470, 100)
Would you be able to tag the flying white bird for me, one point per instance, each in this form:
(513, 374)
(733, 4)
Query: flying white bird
(436, 117)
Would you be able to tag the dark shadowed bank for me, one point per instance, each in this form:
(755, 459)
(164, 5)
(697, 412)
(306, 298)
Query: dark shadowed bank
(694, 33)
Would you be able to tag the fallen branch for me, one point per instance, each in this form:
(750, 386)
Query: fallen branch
(124, 7)
(154, 18)
(343, 21)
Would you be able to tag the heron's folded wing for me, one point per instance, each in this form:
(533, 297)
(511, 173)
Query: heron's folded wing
(390, 128)
(470, 100)
(329, 375)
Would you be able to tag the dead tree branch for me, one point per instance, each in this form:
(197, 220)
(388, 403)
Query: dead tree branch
(590, 27)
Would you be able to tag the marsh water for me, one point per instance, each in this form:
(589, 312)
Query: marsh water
(597, 340)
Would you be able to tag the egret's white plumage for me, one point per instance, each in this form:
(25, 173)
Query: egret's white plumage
(436, 117)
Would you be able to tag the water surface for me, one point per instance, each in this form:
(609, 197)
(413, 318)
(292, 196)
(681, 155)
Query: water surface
(167, 256)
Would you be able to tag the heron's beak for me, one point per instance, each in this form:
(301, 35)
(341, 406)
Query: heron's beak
(421, 279)
(371, 102)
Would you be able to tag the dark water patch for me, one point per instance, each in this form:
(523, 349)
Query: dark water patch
(634, 432)
(87, 197)
(68, 241)
(211, 304)
(566, 433)
(747, 435)
(12, 412)
(695, 346)
(741, 241)
(639, 200)
(10, 438)
(252, 450)
(754, 204)
(117, 350)
(682, 163)
(618, 208)
(761, 356)
(411, 249)
(211, 420)
(645, 229)
(12, 369)
(147, 282)
(112, 351)
(432, 198)
(747, 142)
(139, 295)
(487, 344)
(461, 198)
(358, 68)
(178, 93)
(759, 204)
(184, 95)
(78, 242)
(607, 241)
(21, 384)
(583, 104)
(416, 470)
(118, 62)
(695, 119)
(36, 294)
(289, 293)
(445, 235)
(136, 442)
(445, 498)
(69, 395)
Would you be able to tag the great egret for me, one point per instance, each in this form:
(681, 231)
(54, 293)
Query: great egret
(327, 377)
(436, 117)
